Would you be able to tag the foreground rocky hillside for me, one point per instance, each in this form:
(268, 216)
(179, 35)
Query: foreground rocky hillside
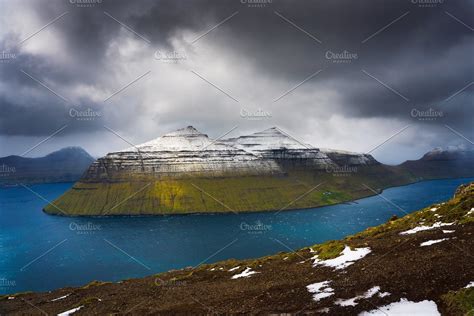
(187, 172)
(420, 264)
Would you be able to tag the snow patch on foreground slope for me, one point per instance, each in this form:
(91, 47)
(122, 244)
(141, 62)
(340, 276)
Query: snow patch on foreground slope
(352, 301)
(405, 307)
(70, 312)
(471, 212)
(320, 290)
(432, 242)
(347, 258)
(422, 228)
(60, 298)
(244, 274)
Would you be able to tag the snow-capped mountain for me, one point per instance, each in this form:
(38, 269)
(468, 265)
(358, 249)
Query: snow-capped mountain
(268, 140)
(187, 151)
(181, 153)
(450, 153)
(273, 143)
(183, 139)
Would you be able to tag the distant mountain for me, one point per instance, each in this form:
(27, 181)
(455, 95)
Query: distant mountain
(65, 165)
(449, 153)
(442, 162)
(185, 171)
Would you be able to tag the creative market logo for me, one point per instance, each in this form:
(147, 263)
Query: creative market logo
(256, 115)
(256, 3)
(173, 57)
(256, 228)
(6, 57)
(85, 3)
(84, 115)
(341, 57)
(341, 171)
(6, 170)
(85, 229)
(427, 3)
(426, 115)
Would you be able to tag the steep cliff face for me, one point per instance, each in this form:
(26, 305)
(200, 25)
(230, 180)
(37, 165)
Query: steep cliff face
(188, 152)
(347, 158)
(276, 145)
(181, 153)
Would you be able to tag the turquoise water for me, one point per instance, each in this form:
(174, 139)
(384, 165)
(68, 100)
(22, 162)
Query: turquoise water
(40, 252)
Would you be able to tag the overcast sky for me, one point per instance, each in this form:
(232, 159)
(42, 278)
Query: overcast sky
(336, 74)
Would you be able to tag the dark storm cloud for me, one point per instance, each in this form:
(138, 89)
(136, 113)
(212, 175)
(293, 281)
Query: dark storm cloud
(426, 55)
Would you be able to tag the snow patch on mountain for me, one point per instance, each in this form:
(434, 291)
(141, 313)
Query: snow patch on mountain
(269, 139)
(273, 143)
(182, 152)
(188, 151)
(184, 139)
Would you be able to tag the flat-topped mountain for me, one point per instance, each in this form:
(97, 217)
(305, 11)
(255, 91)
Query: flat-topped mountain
(65, 165)
(185, 171)
(178, 154)
(273, 143)
(268, 140)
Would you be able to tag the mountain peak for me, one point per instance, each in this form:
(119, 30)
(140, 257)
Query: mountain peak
(272, 131)
(449, 153)
(69, 152)
(451, 148)
(185, 131)
(183, 139)
(270, 139)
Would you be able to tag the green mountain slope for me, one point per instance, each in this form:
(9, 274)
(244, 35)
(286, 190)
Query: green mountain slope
(243, 193)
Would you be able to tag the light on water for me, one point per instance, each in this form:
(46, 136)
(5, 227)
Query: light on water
(41, 252)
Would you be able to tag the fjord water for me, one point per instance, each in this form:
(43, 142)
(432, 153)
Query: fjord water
(41, 252)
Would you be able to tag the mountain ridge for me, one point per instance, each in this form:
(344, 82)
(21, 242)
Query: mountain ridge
(64, 165)
(186, 172)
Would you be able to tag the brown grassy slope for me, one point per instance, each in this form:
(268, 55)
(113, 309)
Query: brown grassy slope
(396, 263)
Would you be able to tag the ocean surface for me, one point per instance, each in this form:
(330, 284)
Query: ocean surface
(40, 252)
